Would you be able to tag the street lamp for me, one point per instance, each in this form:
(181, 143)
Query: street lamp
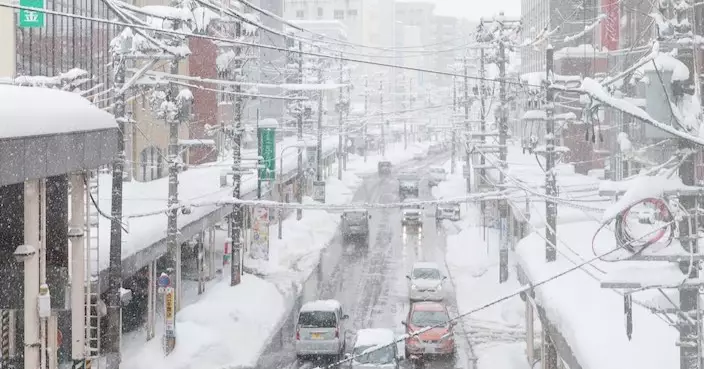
(28, 255)
(299, 144)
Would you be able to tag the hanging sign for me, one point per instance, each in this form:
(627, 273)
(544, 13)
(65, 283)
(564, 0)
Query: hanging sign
(319, 191)
(259, 249)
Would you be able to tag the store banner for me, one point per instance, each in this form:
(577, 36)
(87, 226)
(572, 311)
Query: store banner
(259, 248)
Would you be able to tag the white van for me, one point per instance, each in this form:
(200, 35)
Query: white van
(320, 329)
(381, 348)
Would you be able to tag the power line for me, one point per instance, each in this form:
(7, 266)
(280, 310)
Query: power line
(244, 43)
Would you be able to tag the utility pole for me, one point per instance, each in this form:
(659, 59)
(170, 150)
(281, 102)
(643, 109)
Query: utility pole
(299, 124)
(319, 151)
(689, 348)
(348, 95)
(549, 349)
(383, 124)
(503, 153)
(482, 125)
(405, 122)
(453, 162)
(236, 217)
(339, 134)
(466, 117)
(366, 112)
(114, 314)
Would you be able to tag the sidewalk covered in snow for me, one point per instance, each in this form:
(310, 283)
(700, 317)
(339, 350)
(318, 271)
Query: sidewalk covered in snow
(46, 132)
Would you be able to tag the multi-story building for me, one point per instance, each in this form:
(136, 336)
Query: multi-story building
(360, 17)
(266, 66)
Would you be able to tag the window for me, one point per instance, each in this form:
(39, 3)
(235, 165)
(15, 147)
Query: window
(426, 273)
(151, 164)
(300, 14)
(320, 12)
(339, 14)
(352, 12)
(384, 355)
(429, 318)
(317, 319)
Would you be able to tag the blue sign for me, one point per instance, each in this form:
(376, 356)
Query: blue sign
(164, 280)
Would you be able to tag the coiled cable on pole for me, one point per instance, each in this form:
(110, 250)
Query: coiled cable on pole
(633, 243)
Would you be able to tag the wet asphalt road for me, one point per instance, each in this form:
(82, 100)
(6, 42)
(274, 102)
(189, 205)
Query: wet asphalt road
(370, 282)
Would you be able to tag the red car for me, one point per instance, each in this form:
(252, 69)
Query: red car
(439, 340)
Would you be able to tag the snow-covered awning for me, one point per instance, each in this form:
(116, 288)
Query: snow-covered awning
(47, 132)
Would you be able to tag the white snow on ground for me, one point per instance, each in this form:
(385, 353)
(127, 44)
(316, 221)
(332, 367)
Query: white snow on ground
(208, 330)
(497, 333)
(199, 184)
(228, 327)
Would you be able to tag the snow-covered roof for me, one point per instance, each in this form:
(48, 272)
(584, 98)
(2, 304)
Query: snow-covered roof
(667, 63)
(321, 305)
(374, 337)
(268, 123)
(425, 265)
(36, 111)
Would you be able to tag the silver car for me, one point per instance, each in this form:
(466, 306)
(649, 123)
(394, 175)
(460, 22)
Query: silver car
(375, 348)
(426, 282)
(320, 330)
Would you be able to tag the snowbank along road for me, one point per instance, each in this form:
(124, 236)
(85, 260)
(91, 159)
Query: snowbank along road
(370, 283)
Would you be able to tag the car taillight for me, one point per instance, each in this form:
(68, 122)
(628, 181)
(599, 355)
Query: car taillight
(298, 334)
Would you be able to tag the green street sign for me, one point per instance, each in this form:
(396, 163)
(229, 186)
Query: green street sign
(31, 18)
(267, 150)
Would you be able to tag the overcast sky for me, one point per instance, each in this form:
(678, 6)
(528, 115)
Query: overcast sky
(474, 9)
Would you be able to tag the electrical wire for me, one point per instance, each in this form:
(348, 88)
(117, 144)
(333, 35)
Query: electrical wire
(244, 43)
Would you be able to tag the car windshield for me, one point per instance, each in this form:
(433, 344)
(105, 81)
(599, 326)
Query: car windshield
(384, 355)
(317, 319)
(426, 273)
(429, 318)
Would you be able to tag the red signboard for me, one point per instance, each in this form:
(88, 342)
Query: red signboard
(611, 25)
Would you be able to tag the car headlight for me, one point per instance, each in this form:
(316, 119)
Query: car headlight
(413, 287)
(439, 288)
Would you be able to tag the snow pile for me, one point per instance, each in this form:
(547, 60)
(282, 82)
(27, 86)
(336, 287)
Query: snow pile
(666, 63)
(641, 188)
(302, 241)
(219, 331)
(61, 112)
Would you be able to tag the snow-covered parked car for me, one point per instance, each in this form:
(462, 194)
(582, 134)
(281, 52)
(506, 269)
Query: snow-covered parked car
(425, 283)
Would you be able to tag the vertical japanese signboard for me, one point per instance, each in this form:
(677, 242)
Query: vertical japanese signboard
(610, 26)
(319, 191)
(267, 150)
(259, 248)
(164, 285)
(31, 18)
